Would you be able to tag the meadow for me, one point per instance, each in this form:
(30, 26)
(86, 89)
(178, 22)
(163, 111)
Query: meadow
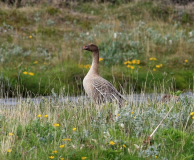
(56, 128)
(41, 47)
(145, 47)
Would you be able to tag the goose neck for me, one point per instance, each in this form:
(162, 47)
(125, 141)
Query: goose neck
(95, 62)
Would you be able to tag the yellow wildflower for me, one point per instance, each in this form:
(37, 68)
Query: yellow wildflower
(192, 113)
(134, 61)
(193, 117)
(156, 156)
(118, 115)
(132, 67)
(66, 139)
(138, 61)
(160, 65)
(44, 62)
(30, 36)
(25, 72)
(186, 60)
(112, 143)
(127, 62)
(132, 112)
(56, 124)
(139, 66)
(124, 146)
(54, 151)
(128, 66)
(84, 158)
(153, 59)
(61, 146)
(39, 115)
(35, 62)
(74, 129)
(45, 116)
(51, 157)
(134, 117)
(62, 158)
(11, 134)
(101, 59)
(154, 69)
(87, 66)
(157, 66)
(9, 150)
(31, 73)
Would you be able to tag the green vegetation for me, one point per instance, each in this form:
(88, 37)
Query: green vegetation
(46, 40)
(55, 128)
(145, 46)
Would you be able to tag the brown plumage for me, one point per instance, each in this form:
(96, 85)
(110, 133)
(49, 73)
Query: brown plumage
(99, 89)
(168, 97)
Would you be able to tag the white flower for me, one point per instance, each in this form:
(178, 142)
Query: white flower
(117, 113)
(82, 145)
(190, 34)
(107, 133)
(122, 125)
(115, 35)
(87, 33)
(136, 146)
(170, 41)
(73, 146)
(94, 140)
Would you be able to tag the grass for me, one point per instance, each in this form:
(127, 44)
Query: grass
(53, 37)
(72, 130)
(145, 48)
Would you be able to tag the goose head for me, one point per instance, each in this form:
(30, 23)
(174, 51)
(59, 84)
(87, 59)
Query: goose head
(91, 47)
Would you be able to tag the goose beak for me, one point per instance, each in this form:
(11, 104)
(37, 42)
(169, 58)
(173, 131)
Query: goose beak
(85, 47)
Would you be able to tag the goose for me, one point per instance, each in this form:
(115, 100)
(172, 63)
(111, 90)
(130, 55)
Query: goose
(97, 88)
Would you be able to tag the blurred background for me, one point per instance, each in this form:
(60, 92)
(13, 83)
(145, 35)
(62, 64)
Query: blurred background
(145, 45)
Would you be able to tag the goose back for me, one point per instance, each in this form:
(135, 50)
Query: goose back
(104, 91)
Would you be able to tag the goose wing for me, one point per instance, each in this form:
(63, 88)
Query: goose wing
(106, 90)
